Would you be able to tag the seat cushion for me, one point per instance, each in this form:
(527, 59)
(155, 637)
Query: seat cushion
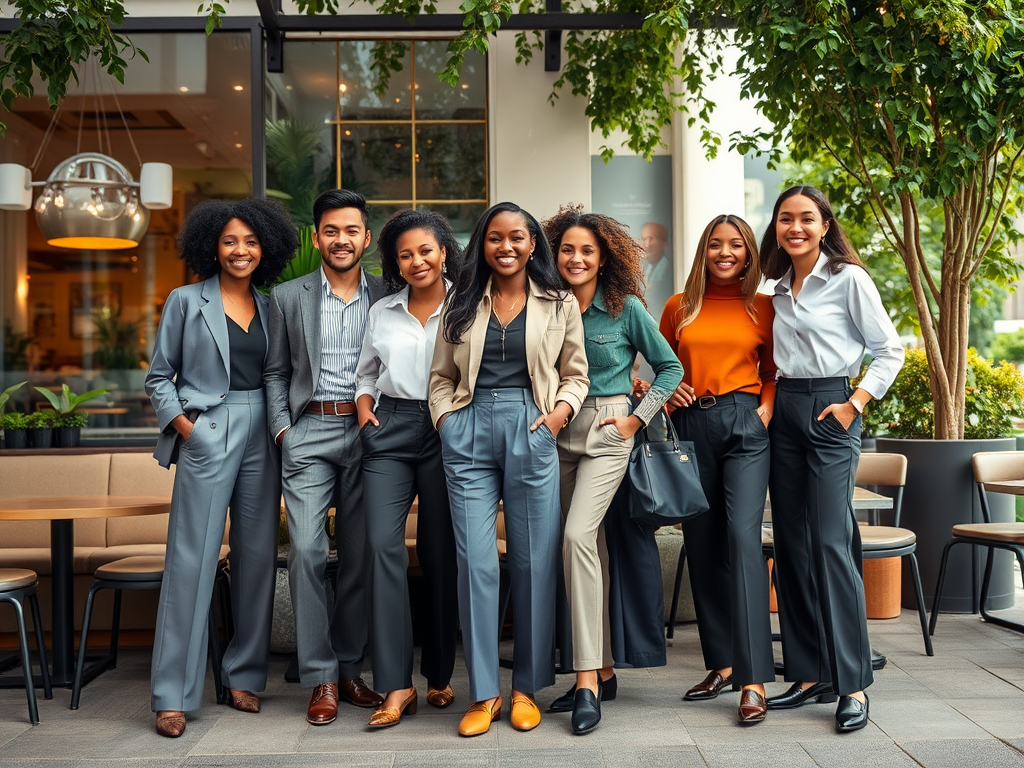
(875, 538)
(38, 559)
(140, 568)
(101, 557)
(16, 578)
(1005, 533)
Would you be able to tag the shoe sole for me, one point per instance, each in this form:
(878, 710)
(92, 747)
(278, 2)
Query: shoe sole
(825, 698)
(848, 729)
(585, 731)
(321, 722)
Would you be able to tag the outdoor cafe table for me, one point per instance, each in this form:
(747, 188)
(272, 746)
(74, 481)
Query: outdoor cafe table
(864, 499)
(62, 511)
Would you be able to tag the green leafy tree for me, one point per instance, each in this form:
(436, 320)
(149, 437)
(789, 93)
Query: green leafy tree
(1009, 346)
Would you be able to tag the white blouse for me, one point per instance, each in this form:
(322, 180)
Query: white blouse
(397, 350)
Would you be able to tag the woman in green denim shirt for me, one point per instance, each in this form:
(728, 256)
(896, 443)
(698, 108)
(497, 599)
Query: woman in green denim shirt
(601, 263)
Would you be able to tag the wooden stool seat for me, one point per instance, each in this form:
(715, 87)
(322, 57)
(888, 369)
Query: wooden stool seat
(137, 568)
(1008, 533)
(877, 537)
(16, 578)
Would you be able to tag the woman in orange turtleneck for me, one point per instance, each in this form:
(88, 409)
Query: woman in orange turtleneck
(721, 328)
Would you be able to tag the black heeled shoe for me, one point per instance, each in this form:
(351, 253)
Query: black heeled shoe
(566, 702)
(797, 697)
(586, 709)
(851, 715)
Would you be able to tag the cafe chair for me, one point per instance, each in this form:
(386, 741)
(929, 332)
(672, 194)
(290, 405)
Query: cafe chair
(138, 573)
(18, 586)
(994, 467)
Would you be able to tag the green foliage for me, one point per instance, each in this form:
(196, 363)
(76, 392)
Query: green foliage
(72, 420)
(16, 347)
(994, 396)
(305, 260)
(1009, 346)
(53, 39)
(118, 342)
(13, 420)
(42, 419)
(6, 394)
(293, 151)
(67, 401)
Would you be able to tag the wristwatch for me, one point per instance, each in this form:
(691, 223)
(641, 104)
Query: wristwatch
(858, 406)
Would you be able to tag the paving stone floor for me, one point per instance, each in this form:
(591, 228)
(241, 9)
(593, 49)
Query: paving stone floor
(962, 708)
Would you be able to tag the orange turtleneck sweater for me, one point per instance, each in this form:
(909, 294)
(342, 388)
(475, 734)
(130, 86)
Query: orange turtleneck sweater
(723, 350)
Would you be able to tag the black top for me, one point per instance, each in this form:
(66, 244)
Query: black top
(247, 353)
(504, 360)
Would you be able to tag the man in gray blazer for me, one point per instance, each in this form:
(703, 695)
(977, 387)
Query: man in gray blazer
(316, 332)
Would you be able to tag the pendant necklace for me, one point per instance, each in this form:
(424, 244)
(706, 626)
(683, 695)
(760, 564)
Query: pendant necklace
(503, 326)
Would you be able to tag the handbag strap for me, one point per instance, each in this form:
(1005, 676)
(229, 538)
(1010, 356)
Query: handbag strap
(670, 431)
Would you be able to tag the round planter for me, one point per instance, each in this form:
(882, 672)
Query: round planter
(939, 494)
(67, 437)
(15, 438)
(40, 437)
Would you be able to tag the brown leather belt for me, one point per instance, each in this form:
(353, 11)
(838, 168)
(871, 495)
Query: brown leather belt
(331, 408)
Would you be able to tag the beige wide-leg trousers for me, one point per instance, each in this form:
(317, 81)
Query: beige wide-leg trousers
(593, 461)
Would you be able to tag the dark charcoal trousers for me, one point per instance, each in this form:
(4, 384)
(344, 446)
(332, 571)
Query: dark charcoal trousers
(402, 459)
(728, 575)
(817, 543)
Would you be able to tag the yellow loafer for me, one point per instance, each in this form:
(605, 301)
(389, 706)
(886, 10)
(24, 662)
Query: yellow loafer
(525, 713)
(479, 717)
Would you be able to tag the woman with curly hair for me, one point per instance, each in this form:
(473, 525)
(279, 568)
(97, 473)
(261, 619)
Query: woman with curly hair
(602, 265)
(509, 372)
(721, 329)
(402, 461)
(206, 384)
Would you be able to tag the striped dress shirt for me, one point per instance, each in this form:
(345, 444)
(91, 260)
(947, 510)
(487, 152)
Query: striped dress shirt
(342, 324)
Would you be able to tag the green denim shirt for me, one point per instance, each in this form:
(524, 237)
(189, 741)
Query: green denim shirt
(612, 345)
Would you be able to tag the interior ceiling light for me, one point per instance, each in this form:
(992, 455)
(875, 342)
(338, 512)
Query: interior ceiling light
(90, 201)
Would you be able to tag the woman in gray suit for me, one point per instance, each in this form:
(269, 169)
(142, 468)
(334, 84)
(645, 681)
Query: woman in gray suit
(206, 385)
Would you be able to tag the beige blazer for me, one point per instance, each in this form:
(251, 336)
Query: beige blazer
(555, 355)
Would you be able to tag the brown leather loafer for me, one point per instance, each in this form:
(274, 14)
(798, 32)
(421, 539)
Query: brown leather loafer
(441, 697)
(753, 707)
(323, 704)
(708, 688)
(384, 718)
(170, 724)
(244, 701)
(355, 691)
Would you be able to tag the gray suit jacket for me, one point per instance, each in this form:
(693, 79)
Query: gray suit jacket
(293, 360)
(191, 365)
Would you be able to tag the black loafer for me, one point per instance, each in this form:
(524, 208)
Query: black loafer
(795, 697)
(586, 710)
(851, 715)
(566, 702)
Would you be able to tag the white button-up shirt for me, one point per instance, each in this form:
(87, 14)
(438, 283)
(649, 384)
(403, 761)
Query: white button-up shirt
(342, 324)
(397, 350)
(825, 330)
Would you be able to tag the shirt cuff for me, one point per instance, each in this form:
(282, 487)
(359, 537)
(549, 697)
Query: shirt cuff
(652, 402)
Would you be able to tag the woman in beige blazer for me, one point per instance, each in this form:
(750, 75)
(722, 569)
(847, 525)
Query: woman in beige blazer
(509, 372)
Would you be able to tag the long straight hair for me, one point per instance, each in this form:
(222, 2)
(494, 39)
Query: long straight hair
(692, 297)
(468, 290)
(775, 262)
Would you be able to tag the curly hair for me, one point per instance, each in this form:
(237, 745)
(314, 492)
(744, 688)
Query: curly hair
(621, 275)
(462, 301)
(404, 221)
(775, 262)
(200, 235)
(692, 297)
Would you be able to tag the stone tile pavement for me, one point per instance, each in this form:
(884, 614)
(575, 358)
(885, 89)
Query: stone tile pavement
(962, 708)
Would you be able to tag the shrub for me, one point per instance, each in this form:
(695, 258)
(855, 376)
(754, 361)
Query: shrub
(13, 420)
(42, 419)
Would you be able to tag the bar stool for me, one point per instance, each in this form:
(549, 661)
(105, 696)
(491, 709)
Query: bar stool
(137, 573)
(18, 585)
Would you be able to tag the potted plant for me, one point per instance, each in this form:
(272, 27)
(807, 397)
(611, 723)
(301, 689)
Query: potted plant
(940, 484)
(10, 438)
(68, 423)
(14, 426)
(40, 428)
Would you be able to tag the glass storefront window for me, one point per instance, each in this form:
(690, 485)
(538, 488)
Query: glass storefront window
(89, 318)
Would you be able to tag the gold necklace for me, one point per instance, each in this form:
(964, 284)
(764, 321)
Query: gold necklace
(502, 325)
(244, 309)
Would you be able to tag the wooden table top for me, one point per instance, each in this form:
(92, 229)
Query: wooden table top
(862, 499)
(78, 507)
(1012, 487)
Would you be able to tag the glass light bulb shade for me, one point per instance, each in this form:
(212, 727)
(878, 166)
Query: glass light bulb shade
(15, 189)
(93, 216)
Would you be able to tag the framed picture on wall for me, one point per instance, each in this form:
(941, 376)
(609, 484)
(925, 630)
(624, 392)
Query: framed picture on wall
(86, 299)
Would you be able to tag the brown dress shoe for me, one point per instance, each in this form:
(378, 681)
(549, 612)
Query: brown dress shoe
(753, 707)
(244, 701)
(355, 691)
(323, 704)
(441, 697)
(708, 688)
(170, 724)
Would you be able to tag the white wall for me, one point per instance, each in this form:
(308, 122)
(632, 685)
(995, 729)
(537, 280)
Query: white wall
(539, 154)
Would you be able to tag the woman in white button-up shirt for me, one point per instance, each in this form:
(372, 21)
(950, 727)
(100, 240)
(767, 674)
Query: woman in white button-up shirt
(402, 460)
(827, 315)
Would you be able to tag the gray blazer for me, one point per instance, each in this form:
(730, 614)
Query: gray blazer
(191, 363)
(293, 359)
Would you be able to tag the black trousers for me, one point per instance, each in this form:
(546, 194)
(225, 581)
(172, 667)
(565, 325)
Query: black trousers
(817, 542)
(728, 574)
(402, 459)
